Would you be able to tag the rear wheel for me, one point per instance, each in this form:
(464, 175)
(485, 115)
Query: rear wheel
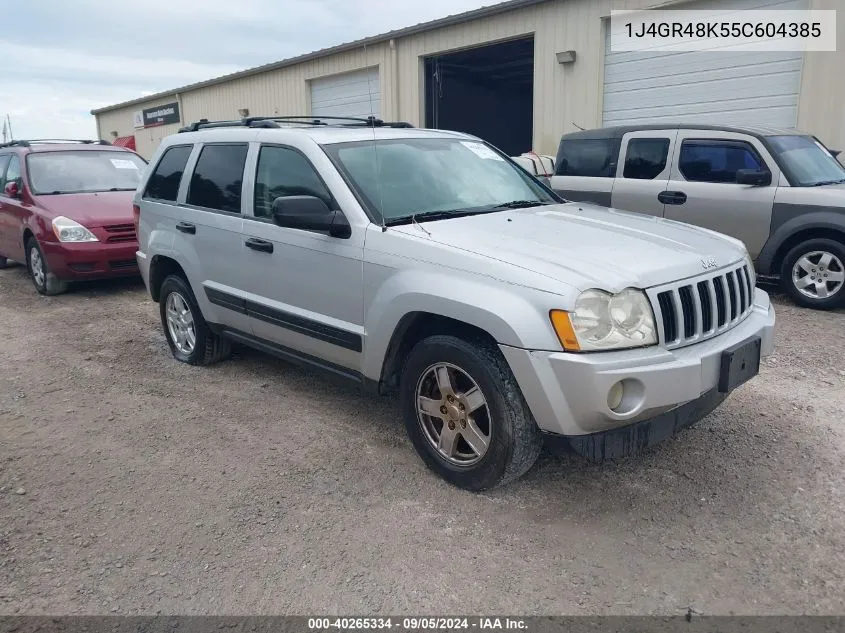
(813, 274)
(465, 413)
(188, 335)
(3, 262)
(44, 281)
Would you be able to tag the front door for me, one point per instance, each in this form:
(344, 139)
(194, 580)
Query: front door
(13, 212)
(305, 288)
(642, 176)
(703, 188)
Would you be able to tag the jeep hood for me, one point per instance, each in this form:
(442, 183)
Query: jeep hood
(588, 246)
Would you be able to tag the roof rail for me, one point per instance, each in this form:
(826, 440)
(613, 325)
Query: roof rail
(36, 141)
(274, 121)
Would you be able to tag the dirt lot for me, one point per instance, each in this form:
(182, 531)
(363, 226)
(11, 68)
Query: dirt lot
(131, 483)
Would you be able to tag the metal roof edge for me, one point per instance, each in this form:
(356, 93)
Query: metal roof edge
(449, 20)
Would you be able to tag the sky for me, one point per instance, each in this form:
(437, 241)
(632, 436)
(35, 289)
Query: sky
(62, 58)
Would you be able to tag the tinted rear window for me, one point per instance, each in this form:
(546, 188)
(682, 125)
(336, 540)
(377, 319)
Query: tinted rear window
(587, 157)
(164, 183)
(218, 178)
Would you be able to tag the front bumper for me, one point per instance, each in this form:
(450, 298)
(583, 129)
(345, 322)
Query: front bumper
(90, 260)
(568, 393)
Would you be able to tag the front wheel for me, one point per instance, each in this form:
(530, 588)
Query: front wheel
(44, 281)
(3, 262)
(465, 413)
(813, 274)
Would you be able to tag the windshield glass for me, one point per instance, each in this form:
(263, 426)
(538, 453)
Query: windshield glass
(806, 161)
(417, 176)
(83, 171)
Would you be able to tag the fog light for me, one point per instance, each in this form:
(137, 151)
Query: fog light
(614, 396)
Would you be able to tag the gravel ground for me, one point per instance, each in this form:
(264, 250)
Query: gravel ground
(130, 483)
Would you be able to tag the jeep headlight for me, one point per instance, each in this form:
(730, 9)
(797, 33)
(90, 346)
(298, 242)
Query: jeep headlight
(604, 321)
(67, 230)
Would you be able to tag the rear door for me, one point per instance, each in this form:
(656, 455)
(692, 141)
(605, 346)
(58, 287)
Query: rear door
(585, 169)
(645, 164)
(703, 189)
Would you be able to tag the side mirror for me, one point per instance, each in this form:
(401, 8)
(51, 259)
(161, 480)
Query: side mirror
(310, 213)
(755, 177)
(11, 189)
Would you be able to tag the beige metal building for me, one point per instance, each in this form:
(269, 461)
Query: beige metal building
(518, 74)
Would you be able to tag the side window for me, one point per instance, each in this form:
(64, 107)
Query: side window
(164, 182)
(285, 172)
(4, 160)
(587, 157)
(717, 161)
(13, 172)
(218, 178)
(646, 158)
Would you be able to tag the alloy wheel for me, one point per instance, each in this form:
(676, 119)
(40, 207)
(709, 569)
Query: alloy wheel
(818, 275)
(180, 323)
(454, 414)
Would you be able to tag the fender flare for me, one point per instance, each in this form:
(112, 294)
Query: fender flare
(833, 220)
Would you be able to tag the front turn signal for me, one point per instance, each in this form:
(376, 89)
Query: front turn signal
(564, 331)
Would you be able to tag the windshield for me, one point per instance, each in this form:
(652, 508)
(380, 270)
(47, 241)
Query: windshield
(806, 161)
(416, 176)
(83, 171)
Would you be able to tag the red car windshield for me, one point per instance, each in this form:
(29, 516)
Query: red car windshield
(83, 171)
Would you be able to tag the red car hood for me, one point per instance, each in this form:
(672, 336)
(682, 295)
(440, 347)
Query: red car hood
(91, 209)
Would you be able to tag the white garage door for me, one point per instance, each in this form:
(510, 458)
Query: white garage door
(355, 94)
(741, 88)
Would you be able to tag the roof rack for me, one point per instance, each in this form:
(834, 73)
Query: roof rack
(37, 141)
(275, 121)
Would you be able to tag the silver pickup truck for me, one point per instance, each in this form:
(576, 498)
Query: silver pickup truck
(780, 191)
(428, 263)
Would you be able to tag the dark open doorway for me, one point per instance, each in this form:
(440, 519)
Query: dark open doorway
(486, 91)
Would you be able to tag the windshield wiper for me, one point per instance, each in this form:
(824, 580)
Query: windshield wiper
(522, 204)
(828, 182)
(122, 189)
(433, 215)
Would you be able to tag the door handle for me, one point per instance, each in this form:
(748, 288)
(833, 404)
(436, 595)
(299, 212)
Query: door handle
(672, 197)
(186, 227)
(259, 245)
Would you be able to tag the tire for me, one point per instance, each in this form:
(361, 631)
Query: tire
(44, 281)
(513, 441)
(813, 255)
(4, 263)
(207, 346)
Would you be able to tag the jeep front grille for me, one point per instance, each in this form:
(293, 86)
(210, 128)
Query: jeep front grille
(696, 309)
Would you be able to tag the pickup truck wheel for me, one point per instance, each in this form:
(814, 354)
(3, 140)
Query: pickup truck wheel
(465, 413)
(3, 262)
(44, 281)
(813, 274)
(187, 332)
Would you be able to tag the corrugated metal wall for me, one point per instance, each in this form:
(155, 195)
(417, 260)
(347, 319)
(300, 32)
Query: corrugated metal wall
(564, 95)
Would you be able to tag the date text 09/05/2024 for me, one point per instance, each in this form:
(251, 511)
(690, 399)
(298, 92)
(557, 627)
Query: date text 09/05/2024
(414, 624)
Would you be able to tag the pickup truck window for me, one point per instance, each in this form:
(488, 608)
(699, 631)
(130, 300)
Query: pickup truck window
(646, 158)
(587, 157)
(4, 160)
(716, 161)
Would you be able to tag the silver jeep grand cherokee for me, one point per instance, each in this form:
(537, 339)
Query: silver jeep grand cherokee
(427, 263)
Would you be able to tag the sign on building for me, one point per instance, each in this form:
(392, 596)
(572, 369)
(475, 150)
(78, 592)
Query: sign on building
(161, 115)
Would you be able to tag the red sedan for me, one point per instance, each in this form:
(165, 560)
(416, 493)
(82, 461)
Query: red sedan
(66, 210)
